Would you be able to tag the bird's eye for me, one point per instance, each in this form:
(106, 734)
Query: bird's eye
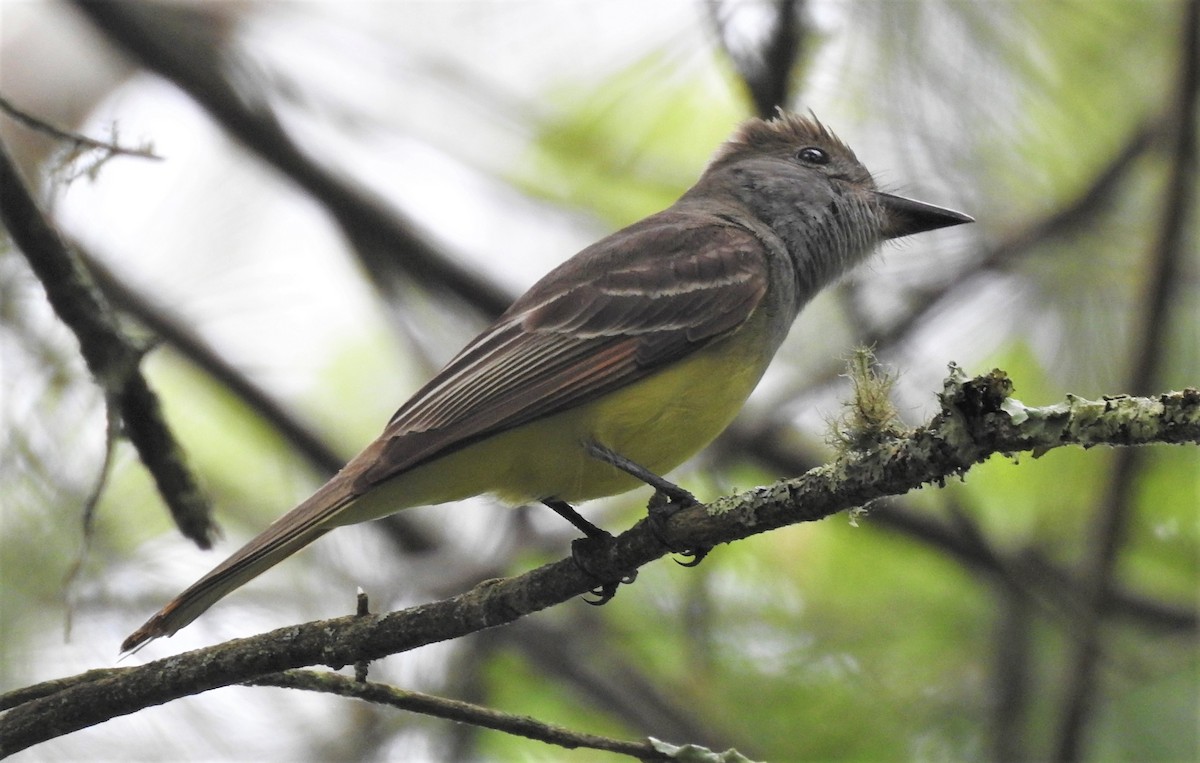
(813, 155)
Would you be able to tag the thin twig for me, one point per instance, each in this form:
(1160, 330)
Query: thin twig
(362, 609)
(454, 710)
(88, 515)
(77, 140)
(583, 654)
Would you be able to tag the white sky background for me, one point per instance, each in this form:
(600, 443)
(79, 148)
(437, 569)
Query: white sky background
(380, 94)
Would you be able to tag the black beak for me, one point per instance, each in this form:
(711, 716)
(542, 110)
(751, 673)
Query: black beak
(904, 217)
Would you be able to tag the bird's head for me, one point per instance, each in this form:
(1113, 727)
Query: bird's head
(793, 169)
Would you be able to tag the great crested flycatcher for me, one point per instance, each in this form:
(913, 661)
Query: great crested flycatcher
(646, 343)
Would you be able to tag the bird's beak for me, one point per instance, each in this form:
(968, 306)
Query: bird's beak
(904, 217)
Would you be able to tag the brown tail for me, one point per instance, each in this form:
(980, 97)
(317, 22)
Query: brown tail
(287, 535)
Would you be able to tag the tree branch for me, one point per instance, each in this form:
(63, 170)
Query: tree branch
(462, 712)
(978, 419)
(766, 67)
(112, 359)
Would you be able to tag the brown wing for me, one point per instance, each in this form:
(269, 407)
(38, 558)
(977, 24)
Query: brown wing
(633, 302)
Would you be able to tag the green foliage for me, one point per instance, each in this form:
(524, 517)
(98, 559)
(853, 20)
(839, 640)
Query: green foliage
(632, 144)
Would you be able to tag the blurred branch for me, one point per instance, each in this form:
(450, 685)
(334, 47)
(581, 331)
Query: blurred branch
(1011, 685)
(112, 433)
(112, 359)
(1147, 353)
(1073, 216)
(179, 43)
(580, 654)
(977, 420)
(407, 535)
(454, 710)
(766, 68)
(1030, 572)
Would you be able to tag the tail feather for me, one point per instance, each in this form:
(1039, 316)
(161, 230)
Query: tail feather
(287, 535)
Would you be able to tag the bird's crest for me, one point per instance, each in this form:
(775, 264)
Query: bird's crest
(785, 131)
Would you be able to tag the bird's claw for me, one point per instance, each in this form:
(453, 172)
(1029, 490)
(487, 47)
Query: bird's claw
(694, 555)
(605, 590)
(604, 593)
(662, 507)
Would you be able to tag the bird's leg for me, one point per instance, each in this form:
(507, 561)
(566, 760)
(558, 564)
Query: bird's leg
(581, 548)
(668, 499)
(568, 512)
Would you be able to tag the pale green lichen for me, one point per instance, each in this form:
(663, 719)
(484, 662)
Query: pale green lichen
(869, 417)
(1016, 410)
(694, 753)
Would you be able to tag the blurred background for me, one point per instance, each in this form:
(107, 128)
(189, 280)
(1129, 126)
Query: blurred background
(349, 191)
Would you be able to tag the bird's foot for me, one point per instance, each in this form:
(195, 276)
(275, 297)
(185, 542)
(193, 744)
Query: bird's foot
(586, 552)
(660, 509)
(590, 552)
(668, 500)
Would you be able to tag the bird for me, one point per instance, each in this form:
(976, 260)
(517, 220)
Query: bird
(637, 351)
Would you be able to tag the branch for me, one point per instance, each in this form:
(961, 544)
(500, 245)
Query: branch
(462, 712)
(766, 67)
(583, 653)
(175, 42)
(112, 359)
(977, 420)
(78, 141)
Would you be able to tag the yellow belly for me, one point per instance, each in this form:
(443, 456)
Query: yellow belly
(658, 422)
